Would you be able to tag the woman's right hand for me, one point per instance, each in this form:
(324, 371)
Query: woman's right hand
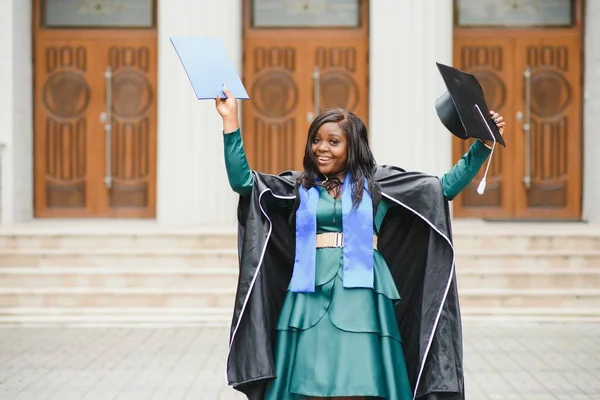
(228, 110)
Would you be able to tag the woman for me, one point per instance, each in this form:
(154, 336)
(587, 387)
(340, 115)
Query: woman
(346, 285)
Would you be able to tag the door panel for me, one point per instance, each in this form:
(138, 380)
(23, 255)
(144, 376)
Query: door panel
(341, 67)
(490, 61)
(66, 114)
(274, 127)
(132, 141)
(554, 151)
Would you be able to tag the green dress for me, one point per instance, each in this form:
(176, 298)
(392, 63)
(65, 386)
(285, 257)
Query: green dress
(338, 341)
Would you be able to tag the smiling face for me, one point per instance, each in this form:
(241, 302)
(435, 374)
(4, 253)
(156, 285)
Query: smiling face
(330, 148)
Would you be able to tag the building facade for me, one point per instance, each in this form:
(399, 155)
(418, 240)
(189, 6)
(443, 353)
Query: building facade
(98, 119)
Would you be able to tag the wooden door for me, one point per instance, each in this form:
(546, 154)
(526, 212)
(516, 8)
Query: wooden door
(296, 64)
(538, 176)
(551, 161)
(95, 119)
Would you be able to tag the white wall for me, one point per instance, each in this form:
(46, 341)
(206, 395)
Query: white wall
(407, 38)
(192, 182)
(16, 117)
(591, 110)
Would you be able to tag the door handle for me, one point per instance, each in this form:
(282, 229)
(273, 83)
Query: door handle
(526, 122)
(106, 118)
(316, 91)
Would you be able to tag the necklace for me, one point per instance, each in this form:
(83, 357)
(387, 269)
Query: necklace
(334, 188)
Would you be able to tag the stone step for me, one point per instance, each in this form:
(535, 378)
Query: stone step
(116, 297)
(516, 237)
(576, 314)
(202, 258)
(131, 258)
(119, 240)
(226, 277)
(522, 240)
(115, 316)
(510, 260)
(117, 277)
(223, 297)
(528, 278)
(530, 298)
(221, 316)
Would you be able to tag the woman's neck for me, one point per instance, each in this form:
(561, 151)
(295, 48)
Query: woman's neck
(339, 176)
(333, 185)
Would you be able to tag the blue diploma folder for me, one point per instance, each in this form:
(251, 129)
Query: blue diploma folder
(208, 67)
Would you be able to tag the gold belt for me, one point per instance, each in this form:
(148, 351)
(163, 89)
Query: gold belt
(335, 239)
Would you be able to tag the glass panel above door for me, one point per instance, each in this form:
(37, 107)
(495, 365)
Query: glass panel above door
(305, 13)
(98, 13)
(514, 13)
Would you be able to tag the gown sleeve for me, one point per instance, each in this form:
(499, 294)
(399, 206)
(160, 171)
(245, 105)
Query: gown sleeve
(238, 171)
(465, 170)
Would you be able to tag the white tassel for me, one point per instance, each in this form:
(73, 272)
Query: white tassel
(481, 187)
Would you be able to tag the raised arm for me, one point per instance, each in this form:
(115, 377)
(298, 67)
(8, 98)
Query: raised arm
(238, 172)
(466, 169)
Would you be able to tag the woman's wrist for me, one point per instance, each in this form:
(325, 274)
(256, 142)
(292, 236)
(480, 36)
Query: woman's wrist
(485, 144)
(230, 124)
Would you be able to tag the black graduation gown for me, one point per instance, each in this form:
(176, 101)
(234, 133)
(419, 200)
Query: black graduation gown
(415, 240)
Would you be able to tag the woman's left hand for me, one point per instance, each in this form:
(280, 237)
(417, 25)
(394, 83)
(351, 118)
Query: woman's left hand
(499, 121)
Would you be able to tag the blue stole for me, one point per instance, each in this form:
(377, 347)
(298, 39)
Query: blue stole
(358, 239)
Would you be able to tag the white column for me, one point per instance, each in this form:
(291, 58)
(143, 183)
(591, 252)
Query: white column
(16, 119)
(407, 38)
(6, 106)
(192, 182)
(591, 110)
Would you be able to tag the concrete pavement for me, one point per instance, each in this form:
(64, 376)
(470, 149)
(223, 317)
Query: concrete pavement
(502, 361)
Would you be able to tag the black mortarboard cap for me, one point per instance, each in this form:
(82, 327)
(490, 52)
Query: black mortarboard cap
(462, 109)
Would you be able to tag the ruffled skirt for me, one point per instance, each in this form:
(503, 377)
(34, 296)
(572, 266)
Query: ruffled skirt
(340, 341)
